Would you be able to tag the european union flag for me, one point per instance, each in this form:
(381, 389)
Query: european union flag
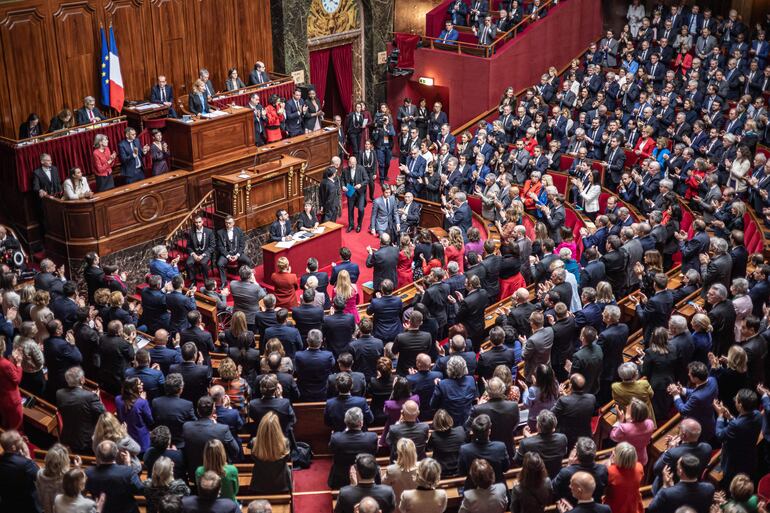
(104, 71)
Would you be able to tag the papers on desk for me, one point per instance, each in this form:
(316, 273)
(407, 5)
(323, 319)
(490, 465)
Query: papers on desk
(214, 114)
(141, 342)
(320, 229)
(147, 106)
(284, 244)
(237, 107)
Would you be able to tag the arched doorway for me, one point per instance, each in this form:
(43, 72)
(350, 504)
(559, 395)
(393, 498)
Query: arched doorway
(331, 72)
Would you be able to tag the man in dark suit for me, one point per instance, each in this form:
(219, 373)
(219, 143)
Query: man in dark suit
(312, 366)
(414, 171)
(366, 350)
(259, 75)
(408, 213)
(196, 376)
(503, 413)
(423, 384)
(574, 411)
(410, 343)
(345, 265)
(409, 427)
(172, 410)
(346, 445)
(200, 247)
(498, 354)
(89, 113)
(247, 294)
(155, 314)
(354, 124)
(469, 310)
(460, 214)
(365, 488)
(116, 354)
(612, 340)
(65, 306)
(481, 446)
(18, 475)
(271, 401)
(295, 108)
(687, 443)
(199, 336)
(164, 94)
(197, 432)
(384, 261)
(287, 334)
(718, 268)
(231, 246)
(692, 248)
(289, 387)
(722, 316)
(330, 190)
(583, 487)
(345, 365)
(280, 229)
(594, 270)
(179, 304)
(307, 316)
(323, 279)
(152, 378)
(45, 179)
(265, 318)
(80, 409)
(655, 311)
(131, 154)
(688, 491)
(697, 402)
(336, 407)
(738, 435)
(354, 182)
(385, 308)
(552, 446)
(60, 355)
(338, 328)
(118, 481)
(584, 461)
(208, 500)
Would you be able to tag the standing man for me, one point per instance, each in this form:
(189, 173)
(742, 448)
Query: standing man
(384, 261)
(385, 218)
(45, 179)
(231, 246)
(131, 154)
(383, 136)
(369, 162)
(295, 110)
(329, 192)
(200, 244)
(459, 214)
(354, 181)
(259, 119)
(355, 125)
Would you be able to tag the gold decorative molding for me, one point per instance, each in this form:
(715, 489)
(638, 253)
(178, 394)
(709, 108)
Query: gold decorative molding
(321, 23)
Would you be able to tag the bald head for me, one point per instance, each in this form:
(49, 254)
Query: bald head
(522, 295)
(582, 486)
(410, 411)
(423, 362)
(368, 505)
(689, 430)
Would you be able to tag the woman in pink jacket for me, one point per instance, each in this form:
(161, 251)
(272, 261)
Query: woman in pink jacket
(635, 427)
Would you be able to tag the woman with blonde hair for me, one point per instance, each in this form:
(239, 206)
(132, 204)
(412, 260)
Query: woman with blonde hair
(49, 478)
(742, 304)
(634, 426)
(108, 427)
(215, 460)
(235, 386)
(405, 261)
(163, 483)
(275, 346)
(271, 455)
(348, 291)
(286, 285)
(701, 337)
(320, 298)
(402, 475)
(425, 498)
(26, 302)
(41, 314)
(455, 247)
(604, 294)
(32, 359)
(731, 374)
(625, 474)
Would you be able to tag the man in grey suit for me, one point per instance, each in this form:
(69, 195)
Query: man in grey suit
(608, 49)
(537, 348)
(384, 214)
(632, 247)
(384, 261)
(246, 295)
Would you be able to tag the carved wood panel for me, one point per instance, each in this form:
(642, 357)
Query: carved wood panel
(76, 27)
(129, 22)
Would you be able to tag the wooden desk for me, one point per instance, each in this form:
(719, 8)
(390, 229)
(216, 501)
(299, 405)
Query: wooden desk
(317, 148)
(139, 113)
(201, 142)
(324, 247)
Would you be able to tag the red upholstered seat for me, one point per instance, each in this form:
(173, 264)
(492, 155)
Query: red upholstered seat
(560, 182)
(566, 162)
(475, 203)
(631, 158)
(763, 488)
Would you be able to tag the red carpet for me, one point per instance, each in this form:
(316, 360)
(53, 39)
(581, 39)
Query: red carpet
(311, 493)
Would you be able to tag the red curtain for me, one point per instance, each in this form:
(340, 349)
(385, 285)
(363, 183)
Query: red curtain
(406, 46)
(319, 69)
(342, 58)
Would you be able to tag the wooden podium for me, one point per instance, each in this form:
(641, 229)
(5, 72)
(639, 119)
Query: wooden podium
(253, 196)
(203, 142)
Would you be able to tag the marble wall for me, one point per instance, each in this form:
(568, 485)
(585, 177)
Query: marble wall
(290, 42)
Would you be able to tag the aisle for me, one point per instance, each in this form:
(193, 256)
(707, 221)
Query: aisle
(311, 493)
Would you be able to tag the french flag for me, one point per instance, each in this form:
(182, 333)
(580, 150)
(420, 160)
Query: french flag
(117, 93)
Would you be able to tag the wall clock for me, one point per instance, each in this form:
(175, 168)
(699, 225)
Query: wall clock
(330, 6)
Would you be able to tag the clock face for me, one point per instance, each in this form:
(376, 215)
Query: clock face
(330, 5)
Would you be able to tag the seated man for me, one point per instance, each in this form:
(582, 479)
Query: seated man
(449, 35)
(89, 113)
(281, 230)
(258, 75)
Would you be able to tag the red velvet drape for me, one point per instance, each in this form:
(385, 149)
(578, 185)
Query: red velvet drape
(406, 44)
(342, 58)
(319, 69)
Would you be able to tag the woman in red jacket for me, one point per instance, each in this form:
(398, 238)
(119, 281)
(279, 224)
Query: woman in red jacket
(286, 285)
(11, 413)
(275, 115)
(646, 143)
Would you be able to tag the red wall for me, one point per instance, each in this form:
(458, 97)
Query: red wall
(476, 84)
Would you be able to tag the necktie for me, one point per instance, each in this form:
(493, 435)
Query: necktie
(90, 114)
(652, 71)
(162, 94)
(483, 36)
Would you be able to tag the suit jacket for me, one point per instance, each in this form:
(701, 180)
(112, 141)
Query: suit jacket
(411, 217)
(723, 321)
(497, 355)
(258, 77)
(697, 403)
(196, 433)
(206, 245)
(81, 115)
(194, 504)
(41, 182)
(128, 162)
(119, 482)
(417, 432)
(60, 356)
(588, 361)
(561, 482)
(116, 355)
(537, 350)
(179, 305)
(505, 420)
(227, 247)
(306, 318)
(462, 217)
(612, 340)
(196, 380)
(281, 406)
(386, 312)
(655, 313)
(470, 313)
(66, 310)
(718, 270)
(494, 452)
(172, 412)
(276, 234)
(407, 346)
(739, 443)
(312, 366)
(17, 487)
(350, 267)
(384, 261)
(198, 104)
(345, 446)
(574, 413)
(350, 496)
(155, 95)
(80, 410)
(336, 407)
(246, 297)
(384, 214)
(202, 340)
(338, 331)
(697, 495)
(155, 313)
(700, 450)
(552, 448)
(294, 117)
